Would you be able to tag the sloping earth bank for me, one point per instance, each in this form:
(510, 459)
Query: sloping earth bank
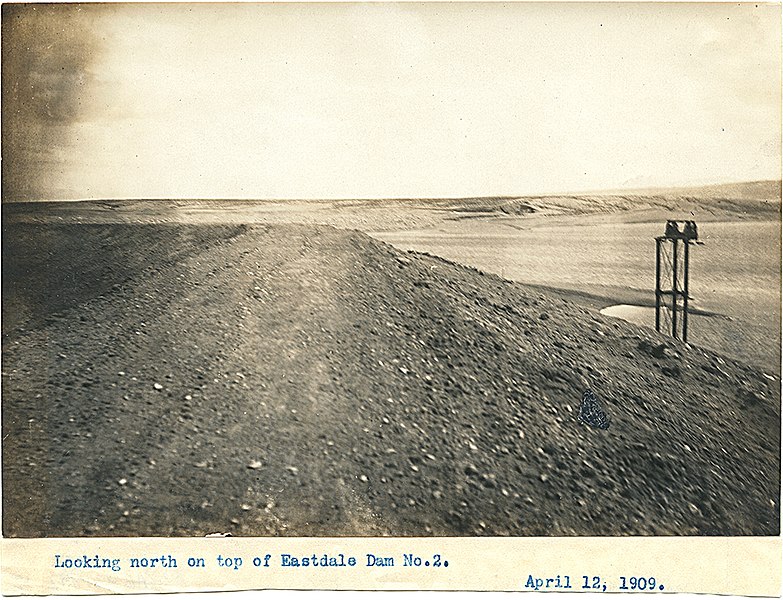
(292, 380)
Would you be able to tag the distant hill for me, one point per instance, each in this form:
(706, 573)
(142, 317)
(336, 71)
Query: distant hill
(745, 190)
(745, 200)
(757, 190)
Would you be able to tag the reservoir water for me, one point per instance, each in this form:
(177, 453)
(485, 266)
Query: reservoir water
(735, 274)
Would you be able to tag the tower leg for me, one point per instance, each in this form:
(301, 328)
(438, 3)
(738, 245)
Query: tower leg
(685, 292)
(675, 292)
(657, 284)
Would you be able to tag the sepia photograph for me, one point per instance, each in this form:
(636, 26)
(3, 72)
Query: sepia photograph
(391, 269)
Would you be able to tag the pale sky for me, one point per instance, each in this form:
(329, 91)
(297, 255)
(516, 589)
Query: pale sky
(386, 100)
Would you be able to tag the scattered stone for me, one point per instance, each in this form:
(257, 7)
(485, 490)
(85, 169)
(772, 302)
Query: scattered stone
(255, 464)
(671, 371)
(488, 480)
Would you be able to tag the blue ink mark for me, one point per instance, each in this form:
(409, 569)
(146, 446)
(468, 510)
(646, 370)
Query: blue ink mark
(591, 412)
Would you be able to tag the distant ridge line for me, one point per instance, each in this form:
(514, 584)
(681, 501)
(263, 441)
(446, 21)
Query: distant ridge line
(760, 189)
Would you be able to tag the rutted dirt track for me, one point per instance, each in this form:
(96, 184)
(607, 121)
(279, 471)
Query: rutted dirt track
(292, 380)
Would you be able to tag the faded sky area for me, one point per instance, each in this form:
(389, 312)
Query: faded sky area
(385, 100)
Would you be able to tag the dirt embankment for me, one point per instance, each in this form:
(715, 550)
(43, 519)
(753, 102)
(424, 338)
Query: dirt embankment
(295, 380)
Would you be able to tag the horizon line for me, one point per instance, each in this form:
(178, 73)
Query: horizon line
(593, 192)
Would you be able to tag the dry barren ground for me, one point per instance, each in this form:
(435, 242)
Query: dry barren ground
(597, 249)
(303, 380)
